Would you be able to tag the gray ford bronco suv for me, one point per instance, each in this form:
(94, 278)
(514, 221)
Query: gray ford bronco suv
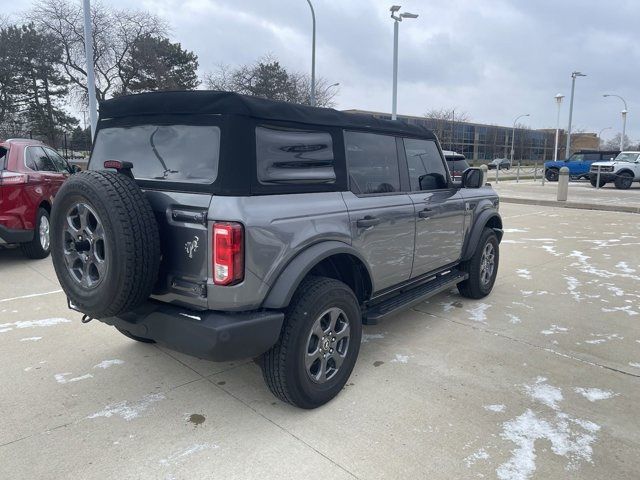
(226, 227)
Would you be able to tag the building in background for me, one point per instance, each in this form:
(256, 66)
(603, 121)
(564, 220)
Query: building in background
(481, 143)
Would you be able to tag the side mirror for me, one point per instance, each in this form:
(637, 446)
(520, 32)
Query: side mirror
(472, 178)
(74, 169)
(432, 181)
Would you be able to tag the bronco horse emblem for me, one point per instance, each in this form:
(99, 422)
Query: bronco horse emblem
(192, 246)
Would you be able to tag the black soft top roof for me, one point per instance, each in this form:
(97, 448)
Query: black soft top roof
(207, 102)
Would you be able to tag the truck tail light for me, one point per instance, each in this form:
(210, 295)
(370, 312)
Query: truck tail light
(228, 253)
(12, 178)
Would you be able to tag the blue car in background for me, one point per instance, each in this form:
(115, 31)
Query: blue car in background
(578, 164)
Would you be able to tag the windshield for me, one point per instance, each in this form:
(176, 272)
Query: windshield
(627, 157)
(177, 153)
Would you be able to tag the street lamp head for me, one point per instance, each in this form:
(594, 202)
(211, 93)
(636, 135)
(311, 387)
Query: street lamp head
(409, 15)
(395, 8)
(559, 97)
(606, 95)
(577, 74)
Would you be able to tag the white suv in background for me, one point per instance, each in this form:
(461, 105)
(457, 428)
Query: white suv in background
(622, 170)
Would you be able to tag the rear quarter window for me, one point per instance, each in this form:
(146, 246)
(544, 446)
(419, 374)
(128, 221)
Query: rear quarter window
(4, 154)
(176, 153)
(288, 156)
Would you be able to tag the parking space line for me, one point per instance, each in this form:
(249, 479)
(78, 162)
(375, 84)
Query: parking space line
(30, 296)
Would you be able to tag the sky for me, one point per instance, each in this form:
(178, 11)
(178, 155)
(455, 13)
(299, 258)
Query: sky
(494, 59)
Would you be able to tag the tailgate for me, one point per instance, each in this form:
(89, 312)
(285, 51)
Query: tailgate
(184, 269)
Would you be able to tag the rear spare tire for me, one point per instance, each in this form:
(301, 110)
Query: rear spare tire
(104, 242)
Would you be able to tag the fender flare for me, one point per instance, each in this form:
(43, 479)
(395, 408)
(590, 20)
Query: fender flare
(290, 277)
(476, 231)
(626, 170)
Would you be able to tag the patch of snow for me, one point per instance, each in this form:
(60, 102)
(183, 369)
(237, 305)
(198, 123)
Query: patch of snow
(603, 337)
(129, 411)
(623, 267)
(62, 377)
(544, 393)
(515, 230)
(366, 337)
(507, 240)
(478, 313)
(513, 318)
(634, 364)
(495, 408)
(524, 273)
(572, 285)
(550, 249)
(554, 329)
(46, 322)
(400, 358)
(108, 363)
(30, 339)
(626, 309)
(182, 455)
(595, 394)
(480, 454)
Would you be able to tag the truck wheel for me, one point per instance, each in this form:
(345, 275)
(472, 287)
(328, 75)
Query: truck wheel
(551, 174)
(594, 182)
(623, 181)
(318, 345)
(482, 267)
(40, 246)
(105, 243)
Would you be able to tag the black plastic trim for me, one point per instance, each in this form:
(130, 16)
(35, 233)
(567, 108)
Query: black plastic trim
(10, 235)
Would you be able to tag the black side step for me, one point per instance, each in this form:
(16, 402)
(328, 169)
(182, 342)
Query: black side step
(409, 298)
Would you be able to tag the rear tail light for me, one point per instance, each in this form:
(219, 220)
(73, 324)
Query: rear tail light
(12, 178)
(228, 253)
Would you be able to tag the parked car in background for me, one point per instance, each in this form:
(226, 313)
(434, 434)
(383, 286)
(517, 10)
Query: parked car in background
(456, 163)
(578, 164)
(30, 175)
(622, 171)
(500, 164)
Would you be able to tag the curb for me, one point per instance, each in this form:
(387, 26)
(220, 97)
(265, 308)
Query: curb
(576, 205)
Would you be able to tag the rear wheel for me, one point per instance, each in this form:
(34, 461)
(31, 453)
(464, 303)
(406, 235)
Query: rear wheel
(594, 182)
(40, 246)
(623, 181)
(318, 346)
(482, 267)
(551, 174)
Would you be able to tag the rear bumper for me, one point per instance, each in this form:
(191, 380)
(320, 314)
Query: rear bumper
(217, 336)
(604, 177)
(9, 235)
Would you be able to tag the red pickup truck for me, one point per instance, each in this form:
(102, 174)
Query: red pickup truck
(30, 175)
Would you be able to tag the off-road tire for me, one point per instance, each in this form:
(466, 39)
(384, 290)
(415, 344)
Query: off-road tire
(283, 366)
(594, 182)
(551, 174)
(128, 334)
(131, 242)
(473, 287)
(34, 248)
(623, 181)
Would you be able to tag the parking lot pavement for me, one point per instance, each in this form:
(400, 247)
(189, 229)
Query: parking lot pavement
(539, 380)
(580, 192)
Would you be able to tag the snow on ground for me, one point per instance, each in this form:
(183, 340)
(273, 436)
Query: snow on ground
(129, 411)
(594, 394)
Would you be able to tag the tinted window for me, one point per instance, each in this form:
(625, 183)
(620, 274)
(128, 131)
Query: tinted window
(592, 157)
(176, 153)
(36, 159)
(426, 170)
(3, 157)
(372, 161)
(294, 156)
(457, 165)
(58, 161)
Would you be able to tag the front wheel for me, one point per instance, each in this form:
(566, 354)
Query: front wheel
(594, 182)
(482, 267)
(318, 345)
(623, 181)
(551, 175)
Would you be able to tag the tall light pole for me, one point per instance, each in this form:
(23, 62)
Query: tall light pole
(624, 118)
(558, 98)
(513, 133)
(397, 19)
(600, 133)
(91, 79)
(574, 75)
(313, 56)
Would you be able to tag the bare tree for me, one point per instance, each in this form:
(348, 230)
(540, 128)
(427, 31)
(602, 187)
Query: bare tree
(442, 122)
(268, 79)
(614, 143)
(114, 33)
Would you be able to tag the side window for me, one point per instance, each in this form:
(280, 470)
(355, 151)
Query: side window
(59, 162)
(592, 157)
(31, 157)
(426, 169)
(286, 156)
(38, 160)
(372, 162)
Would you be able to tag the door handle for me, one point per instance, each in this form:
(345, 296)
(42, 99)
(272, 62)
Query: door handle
(426, 213)
(368, 221)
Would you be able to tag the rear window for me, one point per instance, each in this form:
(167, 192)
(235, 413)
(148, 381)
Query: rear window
(175, 153)
(457, 165)
(3, 158)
